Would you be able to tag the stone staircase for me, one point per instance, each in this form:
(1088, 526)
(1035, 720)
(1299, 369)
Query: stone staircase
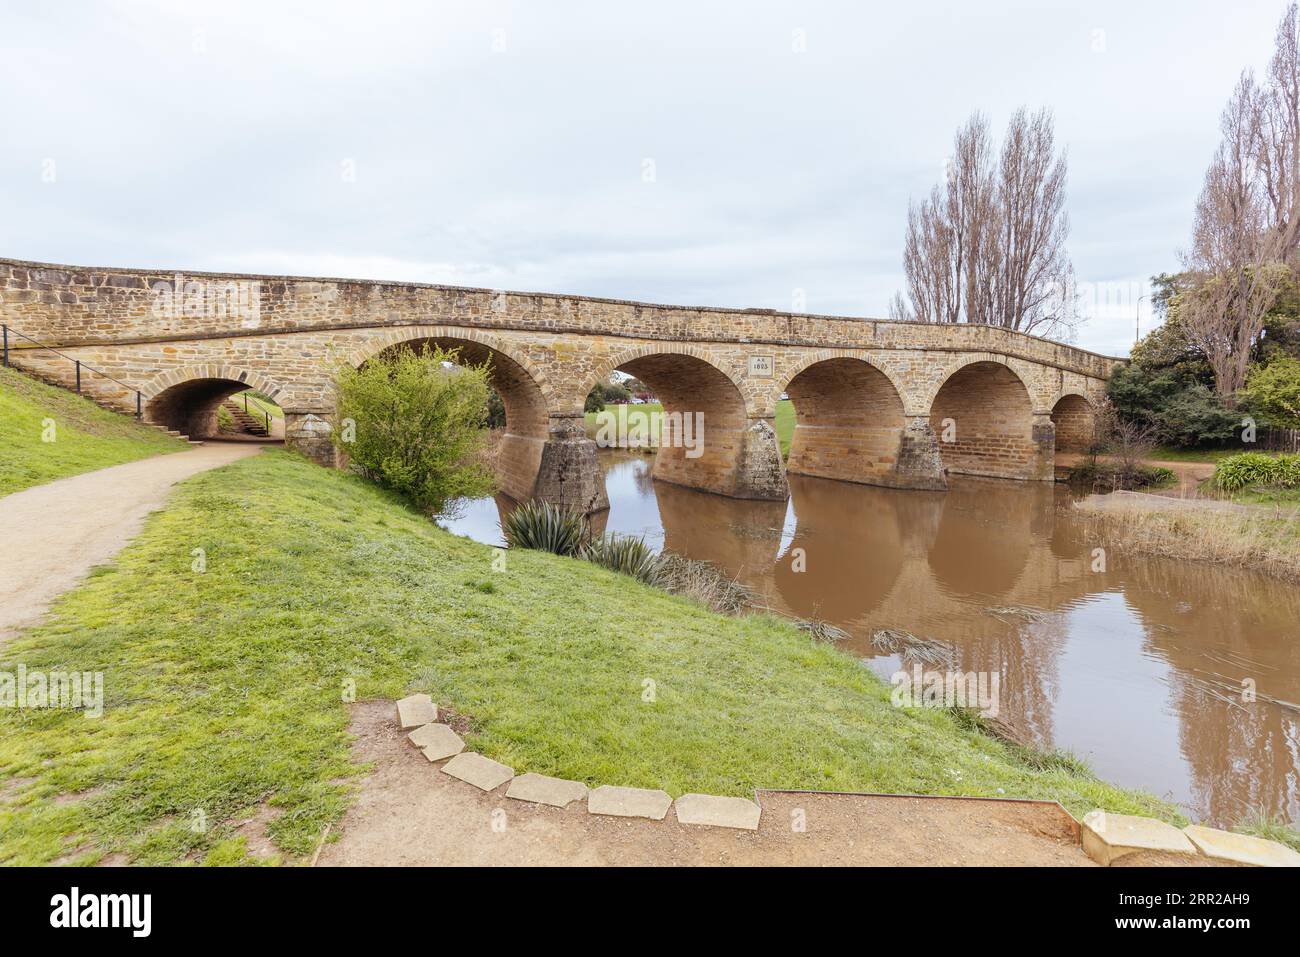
(171, 432)
(244, 421)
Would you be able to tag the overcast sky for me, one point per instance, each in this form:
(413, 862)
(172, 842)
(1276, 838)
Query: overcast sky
(728, 154)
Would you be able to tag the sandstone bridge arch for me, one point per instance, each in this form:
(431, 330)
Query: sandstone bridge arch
(187, 398)
(851, 423)
(711, 438)
(870, 397)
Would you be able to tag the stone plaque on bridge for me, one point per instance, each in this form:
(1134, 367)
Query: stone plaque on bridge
(760, 367)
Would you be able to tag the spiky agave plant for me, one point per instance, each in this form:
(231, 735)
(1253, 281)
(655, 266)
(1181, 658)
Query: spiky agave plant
(625, 554)
(546, 527)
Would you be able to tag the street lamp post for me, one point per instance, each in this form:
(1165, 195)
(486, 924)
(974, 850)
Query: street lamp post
(1137, 321)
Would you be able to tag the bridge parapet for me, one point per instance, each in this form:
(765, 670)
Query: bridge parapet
(72, 305)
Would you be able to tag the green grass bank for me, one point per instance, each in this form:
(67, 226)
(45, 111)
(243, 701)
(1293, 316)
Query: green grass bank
(226, 689)
(84, 436)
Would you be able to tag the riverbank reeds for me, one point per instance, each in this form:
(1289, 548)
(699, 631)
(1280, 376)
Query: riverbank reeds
(1248, 469)
(565, 531)
(703, 582)
(1257, 537)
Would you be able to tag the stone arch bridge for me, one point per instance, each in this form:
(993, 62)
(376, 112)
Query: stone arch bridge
(883, 403)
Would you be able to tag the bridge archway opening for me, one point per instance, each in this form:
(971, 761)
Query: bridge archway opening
(216, 408)
(983, 418)
(701, 428)
(848, 422)
(520, 437)
(1075, 423)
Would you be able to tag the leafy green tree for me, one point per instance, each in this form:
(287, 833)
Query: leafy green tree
(1167, 345)
(635, 386)
(416, 423)
(1169, 384)
(605, 392)
(1196, 416)
(1281, 336)
(1183, 409)
(1274, 391)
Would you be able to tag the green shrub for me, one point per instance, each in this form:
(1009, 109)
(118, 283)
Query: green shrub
(1196, 416)
(412, 422)
(1158, 477)
(1288, 471)
(546, 528)
(1184, 410)
(625, 554)
(1255, 468)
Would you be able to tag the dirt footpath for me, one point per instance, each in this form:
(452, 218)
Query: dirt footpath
(1190, 474)
(409, 812)
(55, 533)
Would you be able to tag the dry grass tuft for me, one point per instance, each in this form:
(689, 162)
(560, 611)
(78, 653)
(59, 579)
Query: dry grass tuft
(703, 582)
(926, 651)
(1260, 538)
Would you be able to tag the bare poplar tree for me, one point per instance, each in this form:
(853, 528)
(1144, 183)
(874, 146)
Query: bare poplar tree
(988, 246)
(1278, 120)
(928, 257)
(1247, 220)
(968, 211)
(1030, 275)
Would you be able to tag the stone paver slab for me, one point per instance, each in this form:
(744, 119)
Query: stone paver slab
(541, 789)
(484, 773)
(1107, 837)
(437, 741)
(629, 802)
(1241, 848)
(415, 710)
(717, 811)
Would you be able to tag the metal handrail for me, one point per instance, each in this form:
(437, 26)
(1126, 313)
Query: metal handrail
(265, 414)
(5, 329)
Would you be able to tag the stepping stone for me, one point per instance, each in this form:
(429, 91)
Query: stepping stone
(1108, 837)
(472, 768)
(1241, 848)
(717, 811)
(541, 789)
(437, 741)
(629, 802)
(415, 710)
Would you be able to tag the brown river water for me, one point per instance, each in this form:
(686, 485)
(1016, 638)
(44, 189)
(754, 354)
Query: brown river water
(1139, 668)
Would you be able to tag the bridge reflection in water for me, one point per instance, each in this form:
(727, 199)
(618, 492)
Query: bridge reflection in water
(1139, 668)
